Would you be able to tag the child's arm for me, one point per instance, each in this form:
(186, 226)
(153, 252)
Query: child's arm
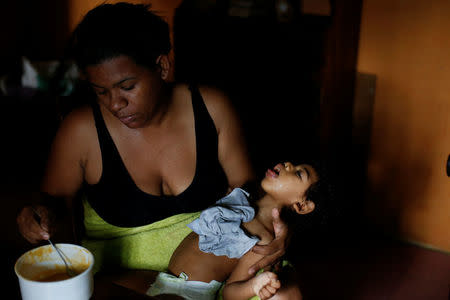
(264, 285)
(241, 285)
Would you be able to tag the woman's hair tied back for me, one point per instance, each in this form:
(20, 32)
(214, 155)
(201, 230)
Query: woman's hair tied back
(112, 30)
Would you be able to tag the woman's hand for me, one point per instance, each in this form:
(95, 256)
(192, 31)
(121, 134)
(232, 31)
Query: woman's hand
(274, 250)
(34, 223)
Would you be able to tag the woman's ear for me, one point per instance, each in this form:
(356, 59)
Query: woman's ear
(303, 207)
(163, 62)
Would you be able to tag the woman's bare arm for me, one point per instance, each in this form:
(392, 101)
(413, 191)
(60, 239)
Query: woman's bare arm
(233, 154)
(69, 154)
(62, 179)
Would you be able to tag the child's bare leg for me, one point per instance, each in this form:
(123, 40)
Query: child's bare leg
(265, 285)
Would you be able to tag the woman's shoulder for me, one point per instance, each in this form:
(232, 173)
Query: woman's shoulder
(79, 122)
(218, 104)
(216, 100)
(213, 97)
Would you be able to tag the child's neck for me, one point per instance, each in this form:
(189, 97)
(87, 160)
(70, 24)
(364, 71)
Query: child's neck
(264, 215)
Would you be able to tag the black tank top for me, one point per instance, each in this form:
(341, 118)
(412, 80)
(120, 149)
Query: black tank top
(117, 199)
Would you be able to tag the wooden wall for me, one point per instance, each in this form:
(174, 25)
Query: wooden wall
(406, 45)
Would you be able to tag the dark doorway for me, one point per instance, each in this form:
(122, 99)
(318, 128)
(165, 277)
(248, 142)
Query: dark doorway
(270, 70)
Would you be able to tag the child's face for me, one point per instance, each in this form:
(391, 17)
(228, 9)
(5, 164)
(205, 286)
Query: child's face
(288, 183)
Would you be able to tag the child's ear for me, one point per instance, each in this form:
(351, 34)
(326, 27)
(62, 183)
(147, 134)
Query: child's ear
(303, 207)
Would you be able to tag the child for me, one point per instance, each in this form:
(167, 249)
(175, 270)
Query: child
(227, 231)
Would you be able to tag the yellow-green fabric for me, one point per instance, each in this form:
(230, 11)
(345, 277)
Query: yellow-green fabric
(146, 247)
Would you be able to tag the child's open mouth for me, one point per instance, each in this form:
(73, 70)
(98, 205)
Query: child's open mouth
(275, 172)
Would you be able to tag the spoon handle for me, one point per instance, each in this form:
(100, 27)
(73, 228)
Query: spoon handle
(69, 270)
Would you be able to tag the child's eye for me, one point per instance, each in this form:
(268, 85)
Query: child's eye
(100, 93)
(299, 174)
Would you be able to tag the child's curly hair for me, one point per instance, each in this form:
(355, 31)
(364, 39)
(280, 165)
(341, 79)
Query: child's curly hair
(314, 225)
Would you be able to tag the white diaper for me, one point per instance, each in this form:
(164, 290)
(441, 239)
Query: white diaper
(191, 290)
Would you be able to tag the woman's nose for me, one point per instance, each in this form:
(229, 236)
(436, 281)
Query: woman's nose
(117, 102)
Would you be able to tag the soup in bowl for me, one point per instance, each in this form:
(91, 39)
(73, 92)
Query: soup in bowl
(42, 273)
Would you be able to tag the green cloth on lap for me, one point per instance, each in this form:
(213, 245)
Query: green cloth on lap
(146, 247)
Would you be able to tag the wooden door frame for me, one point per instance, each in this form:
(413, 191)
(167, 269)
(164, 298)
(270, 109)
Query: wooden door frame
(338, 77)
(336, 108)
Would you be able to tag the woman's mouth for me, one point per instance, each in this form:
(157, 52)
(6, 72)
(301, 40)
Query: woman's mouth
(127, 119)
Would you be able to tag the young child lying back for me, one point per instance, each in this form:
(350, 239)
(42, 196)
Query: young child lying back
(218, 248)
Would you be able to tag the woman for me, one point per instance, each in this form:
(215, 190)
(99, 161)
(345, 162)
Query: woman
(148, 154)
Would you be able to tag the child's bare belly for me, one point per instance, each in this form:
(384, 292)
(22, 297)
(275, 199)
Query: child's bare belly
(198, 265)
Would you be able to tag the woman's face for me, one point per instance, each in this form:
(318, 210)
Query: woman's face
(130, 92)
(288, 183)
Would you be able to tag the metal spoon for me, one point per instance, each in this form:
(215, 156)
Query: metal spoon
(69, 269)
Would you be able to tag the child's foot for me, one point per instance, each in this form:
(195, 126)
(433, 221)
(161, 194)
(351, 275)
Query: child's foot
(265, 285)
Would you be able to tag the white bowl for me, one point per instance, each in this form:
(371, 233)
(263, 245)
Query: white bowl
(36, 267)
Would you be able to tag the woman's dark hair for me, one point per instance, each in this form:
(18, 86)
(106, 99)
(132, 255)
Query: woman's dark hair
(111, 30)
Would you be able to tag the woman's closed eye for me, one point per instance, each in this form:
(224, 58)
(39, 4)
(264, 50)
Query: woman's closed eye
(100, 92)
(128, 88)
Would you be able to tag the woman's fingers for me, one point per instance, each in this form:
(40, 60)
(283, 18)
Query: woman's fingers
(281, 232)
(273, 247)
(279, 227)
(274, 250)
(45, 219)
(266, 261)
(29, 227)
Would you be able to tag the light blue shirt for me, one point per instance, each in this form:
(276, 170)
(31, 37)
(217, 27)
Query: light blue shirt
(219, 227)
